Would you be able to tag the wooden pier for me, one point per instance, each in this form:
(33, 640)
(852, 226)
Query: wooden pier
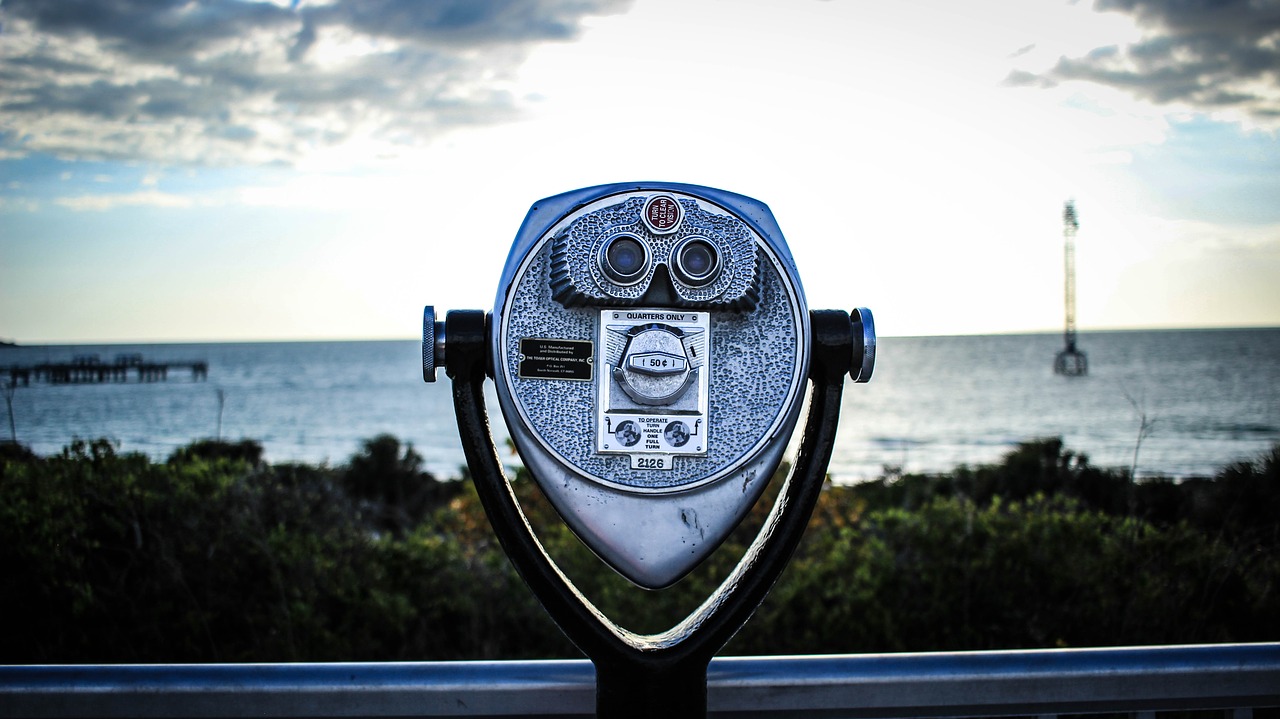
(89, 369)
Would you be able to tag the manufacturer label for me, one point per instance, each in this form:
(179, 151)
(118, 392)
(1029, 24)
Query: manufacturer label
(556, 359)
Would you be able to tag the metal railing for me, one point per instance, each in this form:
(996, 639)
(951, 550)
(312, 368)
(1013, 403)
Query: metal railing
(1140, 680)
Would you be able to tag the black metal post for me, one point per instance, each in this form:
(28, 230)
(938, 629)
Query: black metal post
(663, 674)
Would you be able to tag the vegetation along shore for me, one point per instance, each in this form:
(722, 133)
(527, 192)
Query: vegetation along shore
(217, 555)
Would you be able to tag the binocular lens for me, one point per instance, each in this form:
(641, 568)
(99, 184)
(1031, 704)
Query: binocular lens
(624, 259)
(697, 262)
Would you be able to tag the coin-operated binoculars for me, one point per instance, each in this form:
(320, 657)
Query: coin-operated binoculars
(651, 346)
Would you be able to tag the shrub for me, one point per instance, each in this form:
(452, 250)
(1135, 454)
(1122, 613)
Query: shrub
(218, 556)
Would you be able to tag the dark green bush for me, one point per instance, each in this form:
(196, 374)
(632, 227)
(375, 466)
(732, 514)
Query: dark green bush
(393, 489)
(245, 450)
(216, 555)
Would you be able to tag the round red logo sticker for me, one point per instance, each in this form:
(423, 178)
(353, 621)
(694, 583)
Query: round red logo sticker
(662, 214)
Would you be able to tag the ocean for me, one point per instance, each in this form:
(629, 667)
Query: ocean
(1175, 403)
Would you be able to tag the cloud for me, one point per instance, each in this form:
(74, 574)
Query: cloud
(1205, 55)
(235, 81)
(103, 202)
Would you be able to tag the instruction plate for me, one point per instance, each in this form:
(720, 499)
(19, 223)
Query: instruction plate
(652, 385)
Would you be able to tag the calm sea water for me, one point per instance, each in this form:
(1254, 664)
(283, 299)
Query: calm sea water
(1206, 397)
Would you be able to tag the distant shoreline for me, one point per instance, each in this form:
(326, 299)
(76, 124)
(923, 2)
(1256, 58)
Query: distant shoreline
(1083, 332)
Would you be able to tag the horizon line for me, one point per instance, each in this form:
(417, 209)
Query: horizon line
(6, 342)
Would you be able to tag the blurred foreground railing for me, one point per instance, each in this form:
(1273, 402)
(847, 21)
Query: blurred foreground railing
(1236, 678)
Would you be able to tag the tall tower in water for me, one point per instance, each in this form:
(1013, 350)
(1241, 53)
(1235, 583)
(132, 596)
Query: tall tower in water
(1071, 361)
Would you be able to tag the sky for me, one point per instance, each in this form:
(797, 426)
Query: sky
(216, 170)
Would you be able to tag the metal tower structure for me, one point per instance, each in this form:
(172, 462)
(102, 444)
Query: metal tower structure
(1071, 361)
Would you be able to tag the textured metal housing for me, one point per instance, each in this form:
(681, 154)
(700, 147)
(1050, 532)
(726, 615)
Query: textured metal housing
(652, 525)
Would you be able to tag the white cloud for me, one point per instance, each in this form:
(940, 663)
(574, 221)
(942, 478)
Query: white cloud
(236, 82)
(103, 202)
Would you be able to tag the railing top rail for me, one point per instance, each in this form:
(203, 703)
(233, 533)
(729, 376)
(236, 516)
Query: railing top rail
(881, 685)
